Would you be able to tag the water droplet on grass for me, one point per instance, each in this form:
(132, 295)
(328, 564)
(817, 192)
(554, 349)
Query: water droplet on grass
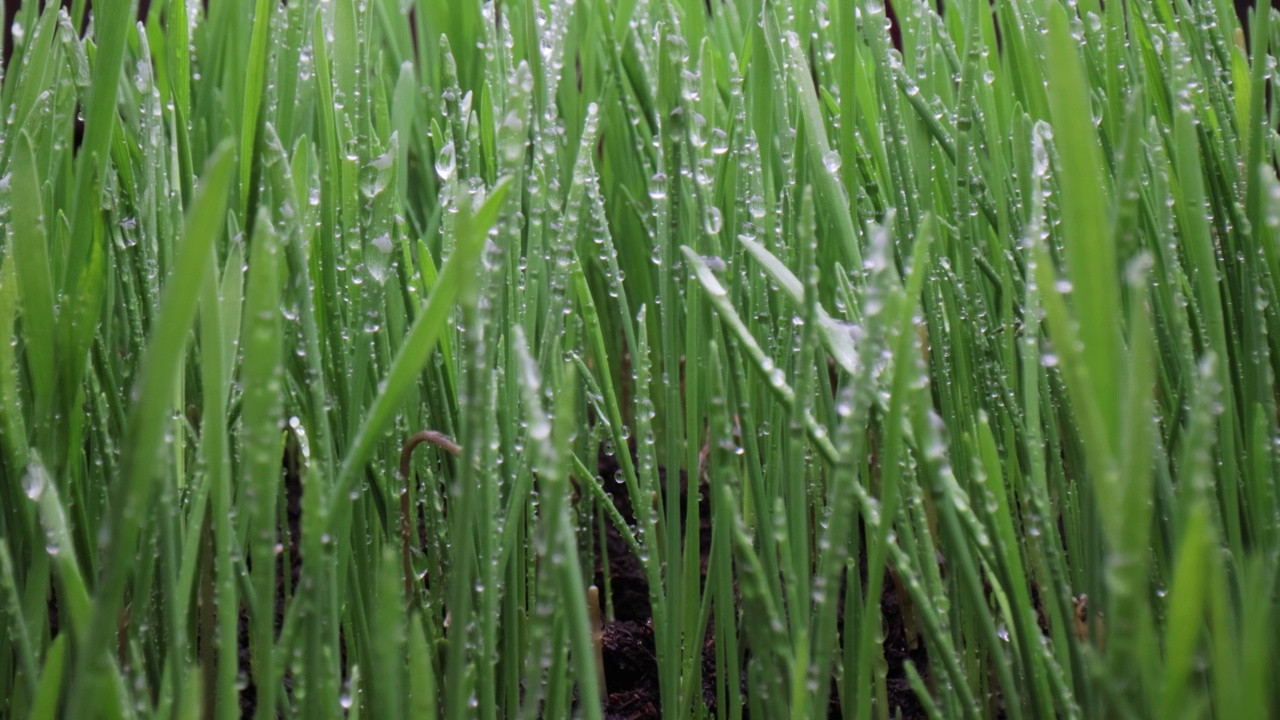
(713, 220)
(33, 484)
(832, 161)
(446, 162)
(719, 142)
(658, 186)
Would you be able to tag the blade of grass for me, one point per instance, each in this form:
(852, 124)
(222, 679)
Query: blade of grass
(146, 428)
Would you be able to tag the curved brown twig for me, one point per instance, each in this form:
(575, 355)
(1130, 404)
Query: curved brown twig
(442, 441)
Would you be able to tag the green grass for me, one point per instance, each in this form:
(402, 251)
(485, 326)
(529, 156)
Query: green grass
(982, 328)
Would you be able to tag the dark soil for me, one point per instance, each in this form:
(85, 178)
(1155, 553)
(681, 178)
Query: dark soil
(630, 659)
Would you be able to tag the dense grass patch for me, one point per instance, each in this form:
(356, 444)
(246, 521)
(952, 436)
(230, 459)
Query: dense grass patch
(639, 358)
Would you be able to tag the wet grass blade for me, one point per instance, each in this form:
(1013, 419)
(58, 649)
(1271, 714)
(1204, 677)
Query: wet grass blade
(146, 427)
(261, 374)
(455, 276)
